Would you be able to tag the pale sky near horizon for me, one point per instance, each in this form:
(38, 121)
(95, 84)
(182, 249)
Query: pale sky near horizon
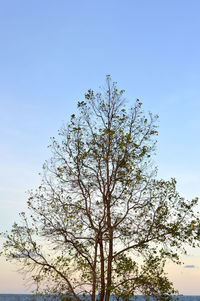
(52, 52)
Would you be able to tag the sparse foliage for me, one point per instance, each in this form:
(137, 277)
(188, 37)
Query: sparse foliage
(101, 223)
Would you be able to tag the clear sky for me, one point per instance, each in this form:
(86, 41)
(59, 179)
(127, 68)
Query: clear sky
(51, 52)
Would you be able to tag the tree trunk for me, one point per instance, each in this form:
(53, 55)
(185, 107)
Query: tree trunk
(94, 272)
(102, 291)
(110, 257)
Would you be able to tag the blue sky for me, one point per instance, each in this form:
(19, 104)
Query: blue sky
(51, 52)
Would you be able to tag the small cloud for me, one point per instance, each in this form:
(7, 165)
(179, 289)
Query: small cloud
(26, 255)
(190, 266)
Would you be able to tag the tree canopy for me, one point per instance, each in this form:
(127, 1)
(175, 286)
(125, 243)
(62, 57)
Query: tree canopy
(101, 223)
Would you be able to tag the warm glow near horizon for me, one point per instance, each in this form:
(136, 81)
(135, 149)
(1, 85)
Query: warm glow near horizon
(186, 280)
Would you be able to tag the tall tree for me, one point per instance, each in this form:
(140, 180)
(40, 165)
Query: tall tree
(101, 222)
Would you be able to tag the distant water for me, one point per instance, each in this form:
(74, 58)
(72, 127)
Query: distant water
(21, 297)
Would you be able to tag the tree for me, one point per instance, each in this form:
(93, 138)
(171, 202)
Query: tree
(101, 223)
